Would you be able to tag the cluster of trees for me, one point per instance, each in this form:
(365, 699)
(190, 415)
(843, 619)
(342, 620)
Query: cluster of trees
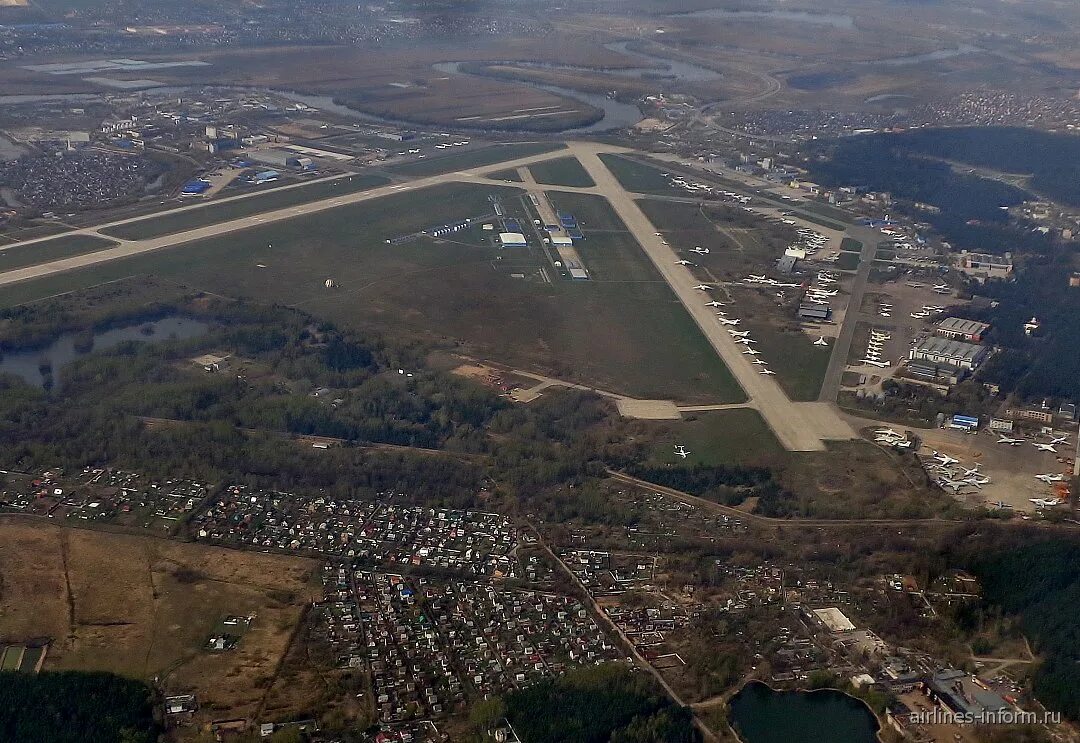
(1040, 582)
(75, 707)
(730, 485)
(597, 704)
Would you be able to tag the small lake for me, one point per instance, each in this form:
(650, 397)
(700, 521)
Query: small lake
(834, 20)
(27, 365)
(761, 715)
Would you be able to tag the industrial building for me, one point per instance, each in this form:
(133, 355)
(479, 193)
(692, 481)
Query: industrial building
(985, 266)
(957, 692)
(815, 312)
(512, 240)
(957, 328)
(962, 355)
(195, 188)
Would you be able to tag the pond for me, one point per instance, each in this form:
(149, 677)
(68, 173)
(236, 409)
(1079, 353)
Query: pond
(35, 366)
(761, 715)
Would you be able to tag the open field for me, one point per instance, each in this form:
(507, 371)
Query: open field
(565, 171)
(492, 155)
(457, 290)
(847, 261)
(212, 213)
(144, 607)
(51, 250)
(718, 437)
(636, 177)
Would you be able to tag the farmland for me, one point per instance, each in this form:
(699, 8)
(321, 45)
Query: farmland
(144, 607)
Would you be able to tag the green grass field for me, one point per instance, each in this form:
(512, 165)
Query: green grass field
(623, 335)
(51, 250)
(799, 365)
(565, 171)
(474, 158)
(212, 213)
(638, 178)
(719, 437)
(847, 261)
(851, 245)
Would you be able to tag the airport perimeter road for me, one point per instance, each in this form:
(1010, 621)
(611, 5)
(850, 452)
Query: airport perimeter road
(128, 248)
(799, 426)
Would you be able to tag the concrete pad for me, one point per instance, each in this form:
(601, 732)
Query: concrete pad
(653, 410)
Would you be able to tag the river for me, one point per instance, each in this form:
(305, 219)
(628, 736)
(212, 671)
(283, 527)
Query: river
(27, 364)
(835, 20)
(761, 715)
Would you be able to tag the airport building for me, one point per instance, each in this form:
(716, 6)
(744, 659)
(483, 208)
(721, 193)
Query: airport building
(962, 355)
(985, 266)
(815, 312)
(957, 328)
(512, 240)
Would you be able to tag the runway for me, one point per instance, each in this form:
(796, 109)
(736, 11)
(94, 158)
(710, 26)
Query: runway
(799, 426)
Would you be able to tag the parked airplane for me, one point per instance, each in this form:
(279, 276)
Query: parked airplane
(875, 362)
(1045, 502)
(944, 458)
(1002, 504)
(700, 250)
(703, 287)
(725, 321)
(681, 451)
(714, 303)
(685, 262)
(1059, 439)
(767, 372)
(751, 352)
(739, 333)
(824, 293)
(1048, 479)
(1045, 447)
(1009, 441)
(756, 277)
(760, 362)
(745, 341)
(821, 341)
(888, 432)
(973, 471)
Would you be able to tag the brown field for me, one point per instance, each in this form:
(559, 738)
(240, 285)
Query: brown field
(144, 607)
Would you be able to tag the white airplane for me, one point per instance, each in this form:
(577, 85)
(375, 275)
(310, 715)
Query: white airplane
(700, 250)
(887, 432)
(725, 321)
(739, 333)
(756, 277)
(941, 286)
(685, 262)
(1009, 441)
(751, 352)
(760, 362)
(681, 451)
(1002, 504)
(714, 303)
(1045, 447)
(1045, 502)
(1048, 479)
(821, 341)
(973, 471)
(824, 293)
(767, 372)
(1059, 439)
(875, 362)
(945, 459)
(703, 287)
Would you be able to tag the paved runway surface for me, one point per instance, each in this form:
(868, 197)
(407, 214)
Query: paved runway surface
(799, 426)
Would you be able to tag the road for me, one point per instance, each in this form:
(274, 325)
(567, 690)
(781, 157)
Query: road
(799, 426)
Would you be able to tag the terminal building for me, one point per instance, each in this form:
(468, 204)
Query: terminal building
(944, 351)
(957, 328)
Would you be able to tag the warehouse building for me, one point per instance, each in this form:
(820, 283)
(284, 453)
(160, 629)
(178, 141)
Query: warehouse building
(957, 328)
(984, 266)
(512, 240)
(962, 355)
(815, 312)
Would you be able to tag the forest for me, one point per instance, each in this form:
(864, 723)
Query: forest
(1040, 582)
(75, 707)
(595, 704)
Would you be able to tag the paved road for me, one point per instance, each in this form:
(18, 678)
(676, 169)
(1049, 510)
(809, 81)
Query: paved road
(798, 426)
